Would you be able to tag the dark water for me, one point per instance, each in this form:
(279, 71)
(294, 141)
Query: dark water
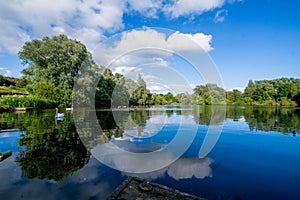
(257, 155)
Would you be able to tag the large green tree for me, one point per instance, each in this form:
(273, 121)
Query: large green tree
(56, 60)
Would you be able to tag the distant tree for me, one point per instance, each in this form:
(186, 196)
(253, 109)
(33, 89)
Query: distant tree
(7, 81)
(184, 98)
(238, 96)
(169, 98)
(141, 95)
(158, 99)
(141, 81)
(249, 90)
(210, 94)
(22, 82)
(130, 85)
(281, 91)
(200, 89)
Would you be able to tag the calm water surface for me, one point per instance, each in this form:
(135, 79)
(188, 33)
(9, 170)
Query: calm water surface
(256, 157)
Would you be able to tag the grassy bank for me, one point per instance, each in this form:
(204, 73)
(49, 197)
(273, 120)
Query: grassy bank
(10, 102)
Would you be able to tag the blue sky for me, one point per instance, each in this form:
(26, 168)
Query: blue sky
(248, 39)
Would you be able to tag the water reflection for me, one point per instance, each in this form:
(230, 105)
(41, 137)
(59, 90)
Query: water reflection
(49, 151)
(183, 168)
(283, 120)
(124, 153)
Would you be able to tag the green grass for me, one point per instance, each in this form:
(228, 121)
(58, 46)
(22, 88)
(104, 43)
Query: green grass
(9, 102)
(12, 90)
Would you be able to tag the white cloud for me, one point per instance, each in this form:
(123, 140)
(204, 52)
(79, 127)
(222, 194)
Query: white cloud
(148, 8)
(161, 62)
(188, 7)
(126, 70)
(133, 47)
(11, 37)
(5, 72)
(190, 42)
(241, 89)
(90, 37)
(220, 16)
(150, 78)
(87, 20)
(158, 88)
(148, 46)
(84, 20)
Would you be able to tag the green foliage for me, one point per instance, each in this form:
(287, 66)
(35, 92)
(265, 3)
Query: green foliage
(50, 152)
(158, 99)
(8, 102)
(234, 97)
(210, 94)
(55, 61)
(7, 81)
(46, 90)
(140, 81)
(141, 96)
(281, 91)
(183, 98)
(105, 88)
(12, 91)
(138, 92)
(22, 82)
(283, 120)
(169, 98)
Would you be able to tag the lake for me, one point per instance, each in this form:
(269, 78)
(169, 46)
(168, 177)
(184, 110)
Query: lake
(255, 156)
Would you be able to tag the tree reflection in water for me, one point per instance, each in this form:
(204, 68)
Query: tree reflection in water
(280, 119)
(284, 120)
(49, 152)
(53, 154)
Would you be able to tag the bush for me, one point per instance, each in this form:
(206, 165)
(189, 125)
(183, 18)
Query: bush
(287, 102)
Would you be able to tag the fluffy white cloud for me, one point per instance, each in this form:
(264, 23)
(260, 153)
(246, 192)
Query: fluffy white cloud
(85, 20)
(190, 42)
(90, 37)
(186, 7)
(148, 46)
(5, 72)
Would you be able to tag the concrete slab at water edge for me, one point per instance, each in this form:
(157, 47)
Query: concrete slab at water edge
(135, 188)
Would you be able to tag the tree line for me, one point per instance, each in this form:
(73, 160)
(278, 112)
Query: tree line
(52, 65)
